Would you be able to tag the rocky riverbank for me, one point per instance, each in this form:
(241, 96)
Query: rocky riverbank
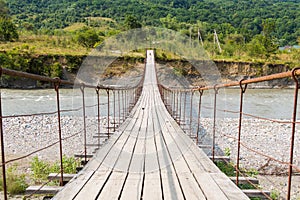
(265, 145)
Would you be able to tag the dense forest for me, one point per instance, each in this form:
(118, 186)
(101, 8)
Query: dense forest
(226, 16)
(36, 34)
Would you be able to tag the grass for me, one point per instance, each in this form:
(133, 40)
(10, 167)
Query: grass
(229, 170)
(62, 43)
(46, 44)
(15, 181)
(41, 169)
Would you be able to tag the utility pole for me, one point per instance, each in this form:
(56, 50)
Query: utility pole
(200, 37)
(216, 40)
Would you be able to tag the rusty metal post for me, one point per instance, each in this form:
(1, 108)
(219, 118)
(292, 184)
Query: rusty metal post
(123, 105)
(199, 115)
(294, 119)
(161, 91)
(98, 112)
(2, 147)
(82, 86)
(177, 106)
(108, 113)
(114, 110)
(119, 107)
(191, 111)
(184, 109)
(180, 98)
(136, 95)
(214, 125)
(167, 97)
(173, 102)
(126, 103)
(56, 87)
(243, 90)
(164, 92)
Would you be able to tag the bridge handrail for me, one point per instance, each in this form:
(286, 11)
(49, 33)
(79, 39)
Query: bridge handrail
(16, 73)
(173, 96)
(122, 97)
(281, 75)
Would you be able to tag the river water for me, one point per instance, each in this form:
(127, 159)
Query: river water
(268, 103)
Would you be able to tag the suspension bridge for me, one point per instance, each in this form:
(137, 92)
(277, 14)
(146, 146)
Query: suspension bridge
(150, 157)
(147, 155)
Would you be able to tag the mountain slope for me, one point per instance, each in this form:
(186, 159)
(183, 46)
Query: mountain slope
(245, 16)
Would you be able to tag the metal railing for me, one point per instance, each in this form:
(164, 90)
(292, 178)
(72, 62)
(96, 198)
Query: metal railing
(119, 102)
(176, 102)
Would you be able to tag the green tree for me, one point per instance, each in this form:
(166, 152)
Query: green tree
(3, 9)
(131, 22)
(87, 37)
(8, 31)
(170, 22)
(255, 47)
(264, 45)
(268, 40)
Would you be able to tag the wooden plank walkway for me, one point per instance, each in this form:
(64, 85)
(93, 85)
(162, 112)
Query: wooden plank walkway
(150, 157)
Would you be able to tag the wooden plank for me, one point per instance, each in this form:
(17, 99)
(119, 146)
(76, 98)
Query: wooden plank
(228, 187)
(55, 176)
(152, 186)
(225, 159)
(83, 156)
(209, 186)
(218, 193)
(43, 190)
(245, 180)
(171, 188)
(112, 188)
(263, 194)
(152, 183)
(74, 186)
(170, 184)
(134, 182)
(188, 183)
(133, 186)
(109, 161)
(92, 187)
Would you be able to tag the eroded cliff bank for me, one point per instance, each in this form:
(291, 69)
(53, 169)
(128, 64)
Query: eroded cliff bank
(67, 67)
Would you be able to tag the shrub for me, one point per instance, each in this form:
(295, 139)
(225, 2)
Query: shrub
(16, 183)
(41, 169)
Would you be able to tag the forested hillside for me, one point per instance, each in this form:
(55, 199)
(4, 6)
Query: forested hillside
(226, 16)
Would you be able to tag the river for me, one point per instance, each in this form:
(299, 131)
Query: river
(268, 103)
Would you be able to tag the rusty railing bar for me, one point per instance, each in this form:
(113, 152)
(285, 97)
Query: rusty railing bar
(11, 72)
(119, 107)
(84, 121)
(108, 113)
(243, 90)
(56, 87)
(199, 115)
(214, 123)
(253, 80)
(294, 119)
(114, 97)
(2, 146)
(191, 111)
(98, 112)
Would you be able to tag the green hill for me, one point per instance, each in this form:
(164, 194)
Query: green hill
(226, 16)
